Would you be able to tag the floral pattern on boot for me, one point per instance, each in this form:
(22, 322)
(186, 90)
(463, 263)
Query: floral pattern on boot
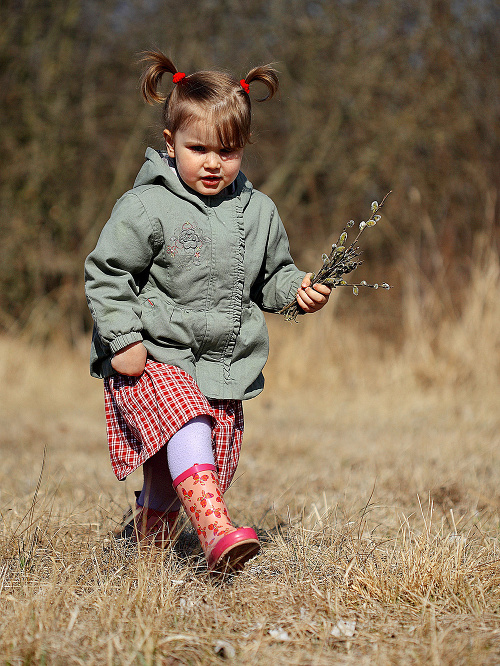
(224, 545)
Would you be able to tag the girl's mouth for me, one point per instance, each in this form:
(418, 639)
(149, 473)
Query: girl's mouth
(211, 180)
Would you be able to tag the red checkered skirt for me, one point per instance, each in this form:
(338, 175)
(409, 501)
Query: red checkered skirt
(142, 414)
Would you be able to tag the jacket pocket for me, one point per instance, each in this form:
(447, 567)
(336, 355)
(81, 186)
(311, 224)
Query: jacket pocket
(170, 325)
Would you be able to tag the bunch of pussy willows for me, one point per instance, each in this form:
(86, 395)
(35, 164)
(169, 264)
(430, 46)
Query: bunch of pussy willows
(342, 260)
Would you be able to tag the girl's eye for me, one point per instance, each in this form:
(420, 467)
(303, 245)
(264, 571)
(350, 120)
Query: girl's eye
(198, 149)
(229, 152)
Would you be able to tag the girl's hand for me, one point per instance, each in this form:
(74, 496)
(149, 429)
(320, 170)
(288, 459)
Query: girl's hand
(312, 298)
(130, 360)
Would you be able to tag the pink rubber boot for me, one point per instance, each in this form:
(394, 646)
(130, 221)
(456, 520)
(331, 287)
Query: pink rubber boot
(226, 548)
(153, 527)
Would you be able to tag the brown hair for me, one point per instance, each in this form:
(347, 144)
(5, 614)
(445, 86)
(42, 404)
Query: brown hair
(214, 97)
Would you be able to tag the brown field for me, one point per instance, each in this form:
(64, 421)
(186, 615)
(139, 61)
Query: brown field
(370, 468)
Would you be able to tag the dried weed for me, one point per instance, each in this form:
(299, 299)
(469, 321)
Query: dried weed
(375, 496)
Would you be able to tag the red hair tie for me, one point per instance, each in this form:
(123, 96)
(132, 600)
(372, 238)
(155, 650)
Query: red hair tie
(245, 86)
(178, 76)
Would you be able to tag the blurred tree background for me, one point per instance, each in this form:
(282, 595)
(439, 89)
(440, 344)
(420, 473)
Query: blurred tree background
(376, 95)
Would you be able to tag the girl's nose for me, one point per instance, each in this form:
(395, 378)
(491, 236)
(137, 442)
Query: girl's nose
(211, 160)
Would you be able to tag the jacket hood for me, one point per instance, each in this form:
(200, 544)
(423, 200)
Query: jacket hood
(159, 169)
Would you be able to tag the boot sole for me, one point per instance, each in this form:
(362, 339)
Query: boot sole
(235, 556)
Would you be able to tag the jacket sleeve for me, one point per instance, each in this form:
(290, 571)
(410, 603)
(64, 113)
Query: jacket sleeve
(279, 278)
(124, 250)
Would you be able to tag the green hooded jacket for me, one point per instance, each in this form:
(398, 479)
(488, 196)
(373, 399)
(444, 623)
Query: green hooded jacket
(190, 275)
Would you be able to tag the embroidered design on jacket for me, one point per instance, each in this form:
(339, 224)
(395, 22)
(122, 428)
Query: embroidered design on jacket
(187, 242)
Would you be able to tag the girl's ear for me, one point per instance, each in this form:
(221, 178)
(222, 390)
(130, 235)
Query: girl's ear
(169, 143)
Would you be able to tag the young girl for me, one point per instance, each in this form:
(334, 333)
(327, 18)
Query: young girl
(176, 285)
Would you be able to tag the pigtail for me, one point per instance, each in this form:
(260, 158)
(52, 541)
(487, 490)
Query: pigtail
(268, 76)
(158, 65)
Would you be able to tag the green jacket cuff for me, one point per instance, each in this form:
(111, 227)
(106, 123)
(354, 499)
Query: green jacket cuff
(123, 341)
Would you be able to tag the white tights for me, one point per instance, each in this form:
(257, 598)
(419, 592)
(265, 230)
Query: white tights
(191, 445)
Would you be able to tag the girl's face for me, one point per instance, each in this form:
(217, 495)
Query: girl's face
(205, 166)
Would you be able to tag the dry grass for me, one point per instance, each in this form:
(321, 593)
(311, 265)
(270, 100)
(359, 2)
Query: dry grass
(370, 469)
